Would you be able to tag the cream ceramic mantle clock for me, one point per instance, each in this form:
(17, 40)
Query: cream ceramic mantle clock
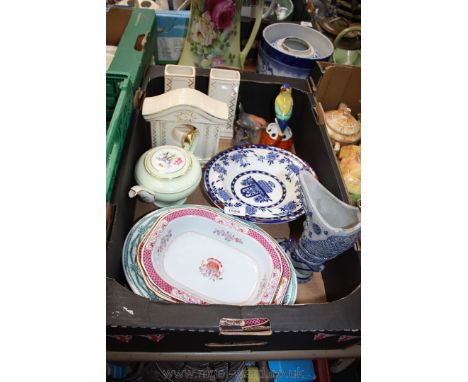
(172, 115)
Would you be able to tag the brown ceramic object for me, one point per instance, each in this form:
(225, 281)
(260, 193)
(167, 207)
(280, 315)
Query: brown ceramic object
(334, 25)
(342, 127)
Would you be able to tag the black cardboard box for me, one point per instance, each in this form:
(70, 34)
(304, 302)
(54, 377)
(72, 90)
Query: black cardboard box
(136, 325)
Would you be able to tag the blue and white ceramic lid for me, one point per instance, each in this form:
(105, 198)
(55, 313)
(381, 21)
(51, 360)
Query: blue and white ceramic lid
(259, 183)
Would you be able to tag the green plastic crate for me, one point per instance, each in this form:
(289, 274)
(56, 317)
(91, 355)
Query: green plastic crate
(119, 108)
(128, 28)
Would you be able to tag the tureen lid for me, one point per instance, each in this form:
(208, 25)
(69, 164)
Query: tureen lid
(342, 126)
(167, 162)
(342, 121)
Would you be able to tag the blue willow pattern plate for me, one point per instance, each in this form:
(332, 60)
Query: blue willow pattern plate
(132, 271)
(259, 183)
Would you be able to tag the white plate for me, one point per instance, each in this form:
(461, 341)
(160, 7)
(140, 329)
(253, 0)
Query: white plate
(133, 273)
(197, 255)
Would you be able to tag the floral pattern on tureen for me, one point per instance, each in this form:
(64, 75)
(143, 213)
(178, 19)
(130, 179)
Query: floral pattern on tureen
(167, 161)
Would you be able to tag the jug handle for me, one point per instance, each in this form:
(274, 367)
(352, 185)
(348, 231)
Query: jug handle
(191, 139)
(253, 34)
(344, 32)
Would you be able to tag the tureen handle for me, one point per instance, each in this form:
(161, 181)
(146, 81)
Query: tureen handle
(145, 195)
(191, 139)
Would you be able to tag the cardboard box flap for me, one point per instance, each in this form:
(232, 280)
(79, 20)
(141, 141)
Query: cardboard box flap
(340, 83)
(125, 309)
(117, 20)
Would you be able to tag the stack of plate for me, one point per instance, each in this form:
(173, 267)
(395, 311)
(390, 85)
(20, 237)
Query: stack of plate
(259, 183)
(198, 254)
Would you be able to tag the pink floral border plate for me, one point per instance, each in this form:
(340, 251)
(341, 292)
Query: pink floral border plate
(273, 292)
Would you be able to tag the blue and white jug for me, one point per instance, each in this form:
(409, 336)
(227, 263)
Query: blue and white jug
(331, 228)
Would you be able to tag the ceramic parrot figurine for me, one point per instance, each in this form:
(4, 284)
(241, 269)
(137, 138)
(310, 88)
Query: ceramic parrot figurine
(278, 133)
(283, 106)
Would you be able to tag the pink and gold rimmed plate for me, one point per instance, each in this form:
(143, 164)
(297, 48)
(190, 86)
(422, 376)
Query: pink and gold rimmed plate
(201, 256)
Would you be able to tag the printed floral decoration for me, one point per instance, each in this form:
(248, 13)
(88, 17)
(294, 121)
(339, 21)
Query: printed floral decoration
(167, 161)
(228, 236)
(212, 269)
(213, 25)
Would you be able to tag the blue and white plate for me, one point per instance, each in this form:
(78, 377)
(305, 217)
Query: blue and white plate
(259, 183)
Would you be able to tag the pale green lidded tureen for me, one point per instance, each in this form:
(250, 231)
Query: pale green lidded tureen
(167, 175)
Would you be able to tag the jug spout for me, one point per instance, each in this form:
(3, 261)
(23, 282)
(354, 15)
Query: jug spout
(325, 210)
(145, 195)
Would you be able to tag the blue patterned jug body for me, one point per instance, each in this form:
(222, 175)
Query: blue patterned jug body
(331, 228)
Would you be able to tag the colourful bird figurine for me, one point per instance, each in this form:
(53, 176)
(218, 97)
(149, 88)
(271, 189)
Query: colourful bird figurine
(278, 133)
(283, 106)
